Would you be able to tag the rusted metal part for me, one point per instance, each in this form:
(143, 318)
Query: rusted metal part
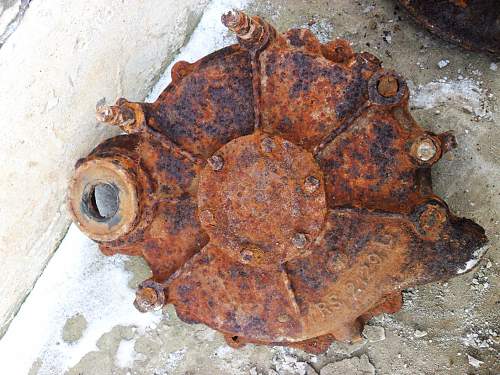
(279, 189)
(150, 295)
(473, 24)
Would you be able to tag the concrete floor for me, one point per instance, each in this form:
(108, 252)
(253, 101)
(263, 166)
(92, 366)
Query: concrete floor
(443, 328)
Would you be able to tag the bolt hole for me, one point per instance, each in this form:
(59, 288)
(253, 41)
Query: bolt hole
(102, 201)
(235, 338)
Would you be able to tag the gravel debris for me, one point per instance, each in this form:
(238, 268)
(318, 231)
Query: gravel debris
(443, 63)
(418, 333)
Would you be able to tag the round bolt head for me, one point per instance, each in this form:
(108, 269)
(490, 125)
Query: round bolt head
(232, 19)
(433, 218)
(146, 299)
(216, 162)
(104, 113)
(388, 86)
(425, 149)
(251, 254)
(246, 256)
(299, 240)
(311, 184)
(267, 145)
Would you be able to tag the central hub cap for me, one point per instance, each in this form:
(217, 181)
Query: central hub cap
(262, 200)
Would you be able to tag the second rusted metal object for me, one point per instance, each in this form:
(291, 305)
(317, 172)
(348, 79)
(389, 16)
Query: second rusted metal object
(279, 189)
(473, 24)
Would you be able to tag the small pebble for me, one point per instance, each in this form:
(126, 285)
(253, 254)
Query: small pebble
(368, 9)
(443, 63)
(493, 66)
(419, 333)
(387, 36)
(374, 333)
(474, 362)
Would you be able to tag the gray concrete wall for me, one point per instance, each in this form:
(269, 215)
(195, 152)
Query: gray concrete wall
(56, 62)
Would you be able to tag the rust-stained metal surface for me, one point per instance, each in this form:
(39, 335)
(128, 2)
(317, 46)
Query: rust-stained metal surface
(474, 24)
(279, 189)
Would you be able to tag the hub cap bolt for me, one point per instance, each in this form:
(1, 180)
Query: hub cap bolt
(299, 240)
(311, 184)
(216, 162)
(425, 150)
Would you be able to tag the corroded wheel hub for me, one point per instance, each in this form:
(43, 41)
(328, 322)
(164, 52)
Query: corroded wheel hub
(279, 190)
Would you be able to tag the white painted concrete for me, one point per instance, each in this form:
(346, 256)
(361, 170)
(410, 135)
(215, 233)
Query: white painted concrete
(63, 57)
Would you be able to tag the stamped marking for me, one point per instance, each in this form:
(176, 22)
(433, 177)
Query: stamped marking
(354, 289)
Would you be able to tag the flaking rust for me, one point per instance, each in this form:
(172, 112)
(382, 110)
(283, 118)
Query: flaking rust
(279, 189)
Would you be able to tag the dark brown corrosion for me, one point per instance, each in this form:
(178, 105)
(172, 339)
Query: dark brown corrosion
(279, 189)
(474, 24)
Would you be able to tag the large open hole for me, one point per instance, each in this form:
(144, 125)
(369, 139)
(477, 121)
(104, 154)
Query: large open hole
(103, 201)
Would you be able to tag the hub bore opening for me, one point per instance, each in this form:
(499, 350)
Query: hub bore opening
(103, 198)
(102, 201)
